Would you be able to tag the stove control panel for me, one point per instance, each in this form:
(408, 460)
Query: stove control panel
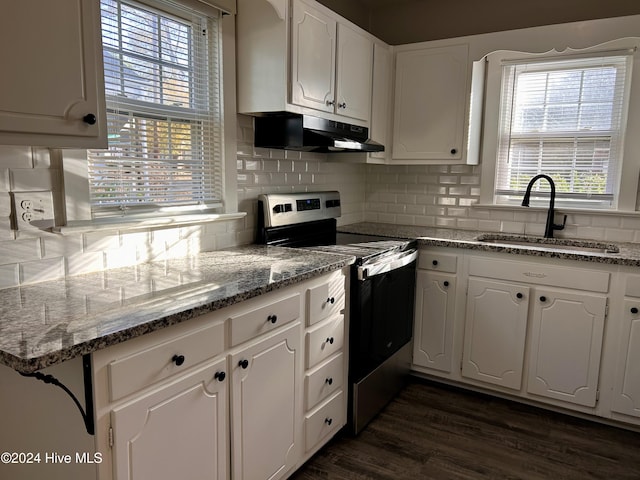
(286, 209)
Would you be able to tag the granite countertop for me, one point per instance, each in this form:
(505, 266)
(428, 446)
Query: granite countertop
(50, 322)
(628, 253)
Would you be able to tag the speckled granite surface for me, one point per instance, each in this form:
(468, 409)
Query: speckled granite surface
(628, 253)
(50, 322)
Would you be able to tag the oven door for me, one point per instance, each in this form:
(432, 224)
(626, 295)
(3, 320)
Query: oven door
(382, 311)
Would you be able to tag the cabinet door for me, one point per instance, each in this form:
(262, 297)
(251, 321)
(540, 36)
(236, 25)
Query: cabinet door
(495, 331)
(381, 99)
(434, 317)
(354, 74)
(430, 102)
(52, 74)
(177, 431)
(626, 389)
(264, 401)
(566, 342)
(313, 58)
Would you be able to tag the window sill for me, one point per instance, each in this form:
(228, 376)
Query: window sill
(132, 223)
(542, 208)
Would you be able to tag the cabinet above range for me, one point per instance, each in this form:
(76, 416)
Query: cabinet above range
(300, 57)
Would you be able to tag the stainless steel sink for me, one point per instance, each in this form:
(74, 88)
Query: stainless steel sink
(564, 244)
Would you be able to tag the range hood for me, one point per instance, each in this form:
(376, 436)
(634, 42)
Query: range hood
(311, 134)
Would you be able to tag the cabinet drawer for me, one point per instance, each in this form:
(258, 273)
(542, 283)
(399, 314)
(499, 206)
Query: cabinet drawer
(324, 341)
(326, 420)
(325, 300)
(539, 274)
(437, 261)
(147, 366)
(249, 325)
(323, 381)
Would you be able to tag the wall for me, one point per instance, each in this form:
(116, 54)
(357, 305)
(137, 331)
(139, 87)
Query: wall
(37, 255)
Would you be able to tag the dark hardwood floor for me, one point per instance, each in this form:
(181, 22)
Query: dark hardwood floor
(436, 432)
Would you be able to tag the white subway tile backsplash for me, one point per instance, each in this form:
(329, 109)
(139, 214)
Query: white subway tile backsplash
(80, 263)
(42, 270)
(16, 157)
(98, 242)
(12, 251)
(25, 180)
(9, 275)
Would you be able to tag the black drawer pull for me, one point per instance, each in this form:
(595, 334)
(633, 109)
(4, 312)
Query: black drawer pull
(331, 300)
(634, 310)
(329, 381)
(89, 119)
(543, 298)
(272, 318)
(243, 363)
(330, 340)
(220, 376)
(446, 283)
(328, 421)
(178, 359)
(519, 295)
(434, 263)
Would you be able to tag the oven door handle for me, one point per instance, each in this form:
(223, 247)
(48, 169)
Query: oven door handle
(388, 264)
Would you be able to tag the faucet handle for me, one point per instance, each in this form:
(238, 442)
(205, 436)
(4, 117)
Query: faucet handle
(560, 227)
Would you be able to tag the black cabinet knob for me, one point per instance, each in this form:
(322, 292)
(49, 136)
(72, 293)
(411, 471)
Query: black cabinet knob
(328, 421)
(446, 283)
(243, 363)
(89, 119)
(330, 340)
(519, 295)
(220, 376)
(454, 151)
(329, 381)
(434, 263)
(543, 298)
(331, 300)
(178, 359)
(272, 318)
(634, 310)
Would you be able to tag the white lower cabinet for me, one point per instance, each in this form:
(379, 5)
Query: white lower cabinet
(566, 343)
(495, 332)
(264, 407)
(434, 320)
(529, 329)
(626, 385)
(177, 431)
(247, 411)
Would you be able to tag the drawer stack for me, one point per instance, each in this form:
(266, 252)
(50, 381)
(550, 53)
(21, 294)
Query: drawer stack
(325, 362)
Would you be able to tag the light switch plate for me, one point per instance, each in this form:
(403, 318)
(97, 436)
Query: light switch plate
(32, 210)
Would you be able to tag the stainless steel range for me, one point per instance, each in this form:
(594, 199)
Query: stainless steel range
(381, 292)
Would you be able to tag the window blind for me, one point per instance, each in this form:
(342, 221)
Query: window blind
(563, 118)
(163, 94)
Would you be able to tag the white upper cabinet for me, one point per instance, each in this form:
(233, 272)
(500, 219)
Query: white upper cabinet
(381, 101)
(52, 82)
(431, 102)
(313, 58)
(353, 73)
(300, 57)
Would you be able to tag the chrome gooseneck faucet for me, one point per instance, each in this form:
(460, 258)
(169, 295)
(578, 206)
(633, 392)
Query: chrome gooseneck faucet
(550, 226)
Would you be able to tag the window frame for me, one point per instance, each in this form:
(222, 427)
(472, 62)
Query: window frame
(78, 211)
(625, 198)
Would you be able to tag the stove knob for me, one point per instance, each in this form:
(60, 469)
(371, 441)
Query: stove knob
(288, 207)
(278, 208)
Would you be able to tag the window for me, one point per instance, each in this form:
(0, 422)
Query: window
(165, 127)
(564, 117)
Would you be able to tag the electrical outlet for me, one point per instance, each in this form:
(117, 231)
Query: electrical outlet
(36, 207)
